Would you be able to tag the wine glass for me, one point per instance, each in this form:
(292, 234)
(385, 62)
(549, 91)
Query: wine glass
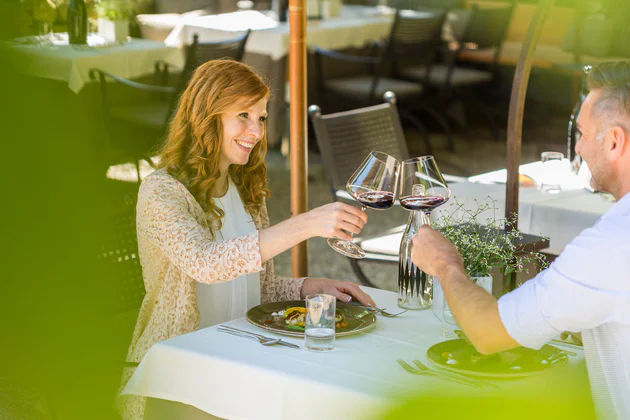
(422, 189)
(373, 185)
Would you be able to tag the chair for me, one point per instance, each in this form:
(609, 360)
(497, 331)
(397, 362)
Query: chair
(411, 31)
(135, 129)
(345, 138)
(486, 29)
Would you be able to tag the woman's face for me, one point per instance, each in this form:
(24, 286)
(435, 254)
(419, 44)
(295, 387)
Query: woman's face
(243, 128)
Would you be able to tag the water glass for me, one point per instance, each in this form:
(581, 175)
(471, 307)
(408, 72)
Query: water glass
(319, 327)
(553, 168)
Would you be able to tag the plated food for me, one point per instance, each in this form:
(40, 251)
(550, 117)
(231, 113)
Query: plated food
(460, 356)
(289, 318)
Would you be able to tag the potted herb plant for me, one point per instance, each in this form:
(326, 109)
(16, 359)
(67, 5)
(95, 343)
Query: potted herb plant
(485, 246)
(113, 19)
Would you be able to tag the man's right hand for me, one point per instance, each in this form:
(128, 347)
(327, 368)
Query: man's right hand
(433, 253)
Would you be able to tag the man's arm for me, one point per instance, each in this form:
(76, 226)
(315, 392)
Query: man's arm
(475, 310)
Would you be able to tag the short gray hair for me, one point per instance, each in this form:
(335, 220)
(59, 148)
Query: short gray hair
(613, 106)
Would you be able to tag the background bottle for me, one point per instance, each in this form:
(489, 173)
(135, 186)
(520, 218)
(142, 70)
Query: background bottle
(77, 22)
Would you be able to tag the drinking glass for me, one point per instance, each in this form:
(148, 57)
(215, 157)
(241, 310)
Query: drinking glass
(319, 325)
(373, 185)
(422, 189)
(553, 166)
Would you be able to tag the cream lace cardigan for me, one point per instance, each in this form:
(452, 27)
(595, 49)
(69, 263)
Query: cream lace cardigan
(176, 249)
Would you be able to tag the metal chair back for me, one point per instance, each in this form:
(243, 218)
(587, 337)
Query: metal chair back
(346, 138)
(487, 27)
(119, 263)
(198, 53)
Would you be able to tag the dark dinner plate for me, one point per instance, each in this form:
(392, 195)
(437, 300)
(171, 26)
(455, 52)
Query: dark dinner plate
(358, 318)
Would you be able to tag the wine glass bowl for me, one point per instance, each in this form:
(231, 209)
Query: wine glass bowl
(373, 185)
(422, 185)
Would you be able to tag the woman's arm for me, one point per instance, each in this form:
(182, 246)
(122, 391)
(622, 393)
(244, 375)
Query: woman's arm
(330, 220)
(164, 218)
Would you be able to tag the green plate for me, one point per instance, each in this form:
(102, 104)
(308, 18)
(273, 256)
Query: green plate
(261, 317)
(461, 357)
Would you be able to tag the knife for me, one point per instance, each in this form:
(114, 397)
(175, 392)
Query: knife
(281, 342)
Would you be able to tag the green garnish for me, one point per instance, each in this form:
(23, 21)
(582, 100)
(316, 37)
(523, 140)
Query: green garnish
(295, 327)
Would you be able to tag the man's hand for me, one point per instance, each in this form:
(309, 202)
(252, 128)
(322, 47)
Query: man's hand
(433, 253)
(342, 290)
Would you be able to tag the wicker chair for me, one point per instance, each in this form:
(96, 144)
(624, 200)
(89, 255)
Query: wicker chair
(345, 138)
(486, 28)
(135, 129)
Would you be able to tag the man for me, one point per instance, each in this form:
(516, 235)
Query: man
(587, 288)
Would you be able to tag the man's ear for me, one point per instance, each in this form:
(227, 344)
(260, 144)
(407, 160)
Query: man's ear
(617, 143)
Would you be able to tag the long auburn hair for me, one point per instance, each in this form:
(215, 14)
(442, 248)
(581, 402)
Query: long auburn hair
(192, 150)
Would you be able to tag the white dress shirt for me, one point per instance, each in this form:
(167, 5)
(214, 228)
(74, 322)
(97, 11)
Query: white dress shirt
(229, 300)
(587, 288)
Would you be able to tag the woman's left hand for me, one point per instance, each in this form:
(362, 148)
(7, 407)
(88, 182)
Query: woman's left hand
(342, 290)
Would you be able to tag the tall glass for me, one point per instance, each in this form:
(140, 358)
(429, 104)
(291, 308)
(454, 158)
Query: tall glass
(553, 172)
(319, 325)
(422, 188)
(373, 185)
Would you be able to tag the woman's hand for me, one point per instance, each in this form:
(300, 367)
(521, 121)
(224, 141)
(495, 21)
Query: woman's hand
(342, 290)
(335, 220)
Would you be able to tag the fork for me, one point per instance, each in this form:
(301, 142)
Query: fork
(423, 372)
(379, 310)
(265, 341)
(479, 382)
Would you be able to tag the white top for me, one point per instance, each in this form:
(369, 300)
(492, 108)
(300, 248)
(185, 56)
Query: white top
(586, 289)
(223, 302)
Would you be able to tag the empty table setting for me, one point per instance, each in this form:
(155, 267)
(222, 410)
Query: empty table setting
(229, 375)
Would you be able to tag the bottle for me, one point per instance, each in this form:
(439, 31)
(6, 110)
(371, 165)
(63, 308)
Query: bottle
(77, 22)
(414, 285)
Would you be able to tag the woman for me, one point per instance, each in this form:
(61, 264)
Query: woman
(204, 238)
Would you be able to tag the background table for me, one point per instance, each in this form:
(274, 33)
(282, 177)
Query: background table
(268, 44)
(233, 377)
(559, 217)
(72, 64)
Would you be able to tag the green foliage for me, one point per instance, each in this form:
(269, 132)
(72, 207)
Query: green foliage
(115, 9)
(486, 244)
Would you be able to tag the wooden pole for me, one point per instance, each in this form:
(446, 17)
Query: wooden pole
(517, 108)
(298, 155)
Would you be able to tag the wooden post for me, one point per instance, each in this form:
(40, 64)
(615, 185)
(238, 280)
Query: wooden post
(298, 154)
(517, 108)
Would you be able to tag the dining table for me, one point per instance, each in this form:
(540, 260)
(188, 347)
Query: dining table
(226, 376)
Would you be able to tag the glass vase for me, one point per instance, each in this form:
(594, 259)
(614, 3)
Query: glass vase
(414, 286)
(442, 310)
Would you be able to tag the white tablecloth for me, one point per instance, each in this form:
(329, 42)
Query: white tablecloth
(72, 64)
(560, 217)
(237, 378)
(354, 26)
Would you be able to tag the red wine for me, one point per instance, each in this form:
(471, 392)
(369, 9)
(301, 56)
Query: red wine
(421, 202)
(376, 199)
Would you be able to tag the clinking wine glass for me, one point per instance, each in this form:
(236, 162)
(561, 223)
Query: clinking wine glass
(373, 185)
(422, 188)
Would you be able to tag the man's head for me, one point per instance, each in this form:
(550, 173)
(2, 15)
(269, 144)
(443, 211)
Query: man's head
(604, 127)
